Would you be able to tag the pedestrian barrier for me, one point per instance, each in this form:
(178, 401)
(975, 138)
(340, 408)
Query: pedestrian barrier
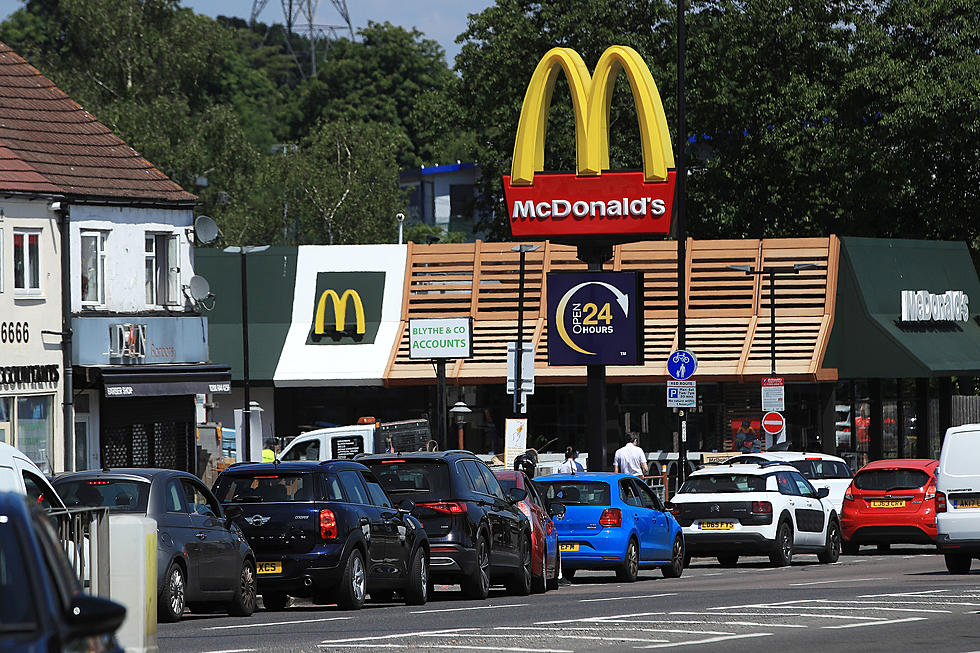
(84, 532)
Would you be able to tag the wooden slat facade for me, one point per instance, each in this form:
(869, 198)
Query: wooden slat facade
(727, 311)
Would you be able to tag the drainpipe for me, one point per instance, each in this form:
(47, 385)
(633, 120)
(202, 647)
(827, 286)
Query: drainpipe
(63, 213)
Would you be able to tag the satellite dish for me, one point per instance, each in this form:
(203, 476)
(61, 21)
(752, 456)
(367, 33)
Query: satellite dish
(205, 229)
(199, 287)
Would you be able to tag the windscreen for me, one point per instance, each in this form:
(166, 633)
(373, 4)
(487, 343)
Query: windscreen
(723, 484)
(575, 493)
(891, 479)
(118, 495)
(419, 480)
(264, 488)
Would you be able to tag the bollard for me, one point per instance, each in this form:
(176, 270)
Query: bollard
(133, 580)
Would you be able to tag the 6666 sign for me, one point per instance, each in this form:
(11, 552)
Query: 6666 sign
(14, 332)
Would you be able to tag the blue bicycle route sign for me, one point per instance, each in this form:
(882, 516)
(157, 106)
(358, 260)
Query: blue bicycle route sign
(681, 364)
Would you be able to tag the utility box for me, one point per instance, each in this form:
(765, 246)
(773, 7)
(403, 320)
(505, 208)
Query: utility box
(133, 579)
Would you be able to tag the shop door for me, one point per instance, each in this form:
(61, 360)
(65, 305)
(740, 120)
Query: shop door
(148, 432)
(86, 445)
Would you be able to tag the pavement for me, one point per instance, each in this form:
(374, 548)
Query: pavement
(901, 600)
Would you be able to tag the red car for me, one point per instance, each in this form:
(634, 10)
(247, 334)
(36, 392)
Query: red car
(545, 560)
(890, 502)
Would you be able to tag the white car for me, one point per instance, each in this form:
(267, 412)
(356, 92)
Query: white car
(755, 509)
(821, 469)
(20, 475)
(958, 498)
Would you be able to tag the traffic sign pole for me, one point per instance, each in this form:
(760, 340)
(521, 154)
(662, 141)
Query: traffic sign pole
(681, 365)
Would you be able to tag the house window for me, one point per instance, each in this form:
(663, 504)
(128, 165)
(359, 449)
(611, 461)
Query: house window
(27, 262)
(93, 267)
(162, 269)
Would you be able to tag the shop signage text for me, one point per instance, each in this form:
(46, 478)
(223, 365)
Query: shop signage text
(595, 318)
(30, 374)
(449, 337)
(347, 308)
(591, 201)
(924, 306)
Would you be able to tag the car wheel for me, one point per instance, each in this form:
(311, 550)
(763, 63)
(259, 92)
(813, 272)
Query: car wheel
(958, 563)
(783, 554)
(553, 581)
(520, 582)
(568, 573)
(728, 560)
(243, 603)
(631, 563)
(477, 585)
(172, 598)
(850, 548)
(417, 590)
(539, 583)
(677, 555)
(830, 554)
(275, 601)
(353, 584)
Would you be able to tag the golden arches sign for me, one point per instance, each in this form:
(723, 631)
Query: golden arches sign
(339, 311)
(625, 203)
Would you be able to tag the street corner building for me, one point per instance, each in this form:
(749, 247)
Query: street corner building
(873, 339)
(101, 350)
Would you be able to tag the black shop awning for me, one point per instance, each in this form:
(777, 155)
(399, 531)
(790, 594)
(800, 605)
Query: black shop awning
(164, 380)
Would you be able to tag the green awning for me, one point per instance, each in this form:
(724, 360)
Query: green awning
(870, 339)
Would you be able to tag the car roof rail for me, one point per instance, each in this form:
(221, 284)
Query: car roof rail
(770, 463)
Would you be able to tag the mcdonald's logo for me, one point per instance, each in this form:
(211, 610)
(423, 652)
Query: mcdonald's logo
(346, 308)
(593, 201)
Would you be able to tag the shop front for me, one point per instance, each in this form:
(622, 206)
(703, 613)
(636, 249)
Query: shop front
(137, 378)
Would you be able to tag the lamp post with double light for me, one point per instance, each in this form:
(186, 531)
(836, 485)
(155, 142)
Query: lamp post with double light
(247, 410)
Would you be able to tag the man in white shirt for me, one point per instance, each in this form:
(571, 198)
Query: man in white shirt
(630, 459)
(571, 465)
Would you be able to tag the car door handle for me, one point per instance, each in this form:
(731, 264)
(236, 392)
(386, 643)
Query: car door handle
(201, 536)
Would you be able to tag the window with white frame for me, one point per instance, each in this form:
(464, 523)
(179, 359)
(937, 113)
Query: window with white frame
(161, 262)
(93, 267)
(27, 261)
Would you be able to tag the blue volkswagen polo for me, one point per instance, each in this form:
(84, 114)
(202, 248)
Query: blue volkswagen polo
(613, 521)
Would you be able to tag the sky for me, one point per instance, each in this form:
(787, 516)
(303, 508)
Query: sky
(440, 20)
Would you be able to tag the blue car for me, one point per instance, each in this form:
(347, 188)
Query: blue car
(613, 521)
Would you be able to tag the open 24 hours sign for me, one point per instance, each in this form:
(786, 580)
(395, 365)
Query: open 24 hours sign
(595, 318)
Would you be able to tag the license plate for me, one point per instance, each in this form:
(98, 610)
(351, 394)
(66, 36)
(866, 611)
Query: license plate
(967, 503)
(716, 525)
(888, 503)
(269, 567)
(568, 547)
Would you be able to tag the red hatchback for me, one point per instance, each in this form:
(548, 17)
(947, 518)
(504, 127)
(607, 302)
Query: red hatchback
(544, 536)
(890, 502)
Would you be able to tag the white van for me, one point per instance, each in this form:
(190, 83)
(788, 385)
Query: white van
(958, 498)
(20, 475)
(365, 437)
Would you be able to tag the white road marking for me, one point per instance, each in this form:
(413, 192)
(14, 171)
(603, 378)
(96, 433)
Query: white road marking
(614, 629)
(873, 596)
(354, 640)
(810, 606)
(787, 614)
(710, 640)
(589, 619)
(878, 623)
(449, 646)
(234, 650)
(476, 607)
(626, 598)
(276, 623)
(606, 620)
(554, 635)
(827, 582)
(931, 601)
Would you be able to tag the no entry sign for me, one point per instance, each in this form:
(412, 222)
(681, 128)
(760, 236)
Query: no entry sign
(773, 423)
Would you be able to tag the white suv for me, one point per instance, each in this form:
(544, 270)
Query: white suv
(756, 509)
(821, 469)
(958, 498)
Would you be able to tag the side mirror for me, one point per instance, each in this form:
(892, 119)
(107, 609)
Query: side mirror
(556, 509)
(517, 494)
(231, 514)
(406, 506)
(90, 616)
(823, 492)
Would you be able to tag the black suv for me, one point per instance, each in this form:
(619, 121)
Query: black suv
(477, 533)
(326, 530)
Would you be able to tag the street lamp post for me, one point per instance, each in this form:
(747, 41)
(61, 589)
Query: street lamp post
(772, 271)
(460, 411)
(247, 410)
(518, 353)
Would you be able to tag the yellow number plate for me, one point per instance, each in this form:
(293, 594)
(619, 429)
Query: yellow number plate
(967, 503)
(888, 503)
(716, 525)
(269, 567)
(568, 547)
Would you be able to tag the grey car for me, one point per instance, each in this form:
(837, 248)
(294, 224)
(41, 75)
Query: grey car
(203, 560)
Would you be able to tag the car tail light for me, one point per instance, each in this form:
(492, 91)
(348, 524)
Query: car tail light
(930, 490)
(674, 510)
(940, 501)
(848, 497)
(446, 507)
(526, 509)
(611, 517)
(328, 525)
(761, 507)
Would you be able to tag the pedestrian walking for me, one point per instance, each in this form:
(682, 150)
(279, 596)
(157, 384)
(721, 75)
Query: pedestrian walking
(630, 458)
(571, 465)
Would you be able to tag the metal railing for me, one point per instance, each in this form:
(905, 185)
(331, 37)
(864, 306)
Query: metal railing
(84, 532)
